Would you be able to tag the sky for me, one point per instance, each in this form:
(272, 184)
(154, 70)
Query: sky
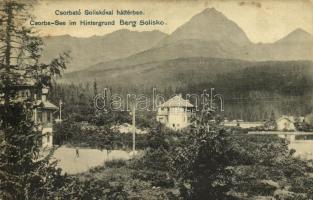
(262, 20)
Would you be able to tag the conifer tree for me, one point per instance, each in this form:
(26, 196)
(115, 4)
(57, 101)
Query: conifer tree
(22, 174)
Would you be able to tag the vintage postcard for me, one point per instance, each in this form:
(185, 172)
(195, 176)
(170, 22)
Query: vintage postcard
(156, 100)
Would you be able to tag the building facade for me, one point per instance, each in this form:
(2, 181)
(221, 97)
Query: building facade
(175, 113)
(43, 113)
(286, 123)
(44, 118)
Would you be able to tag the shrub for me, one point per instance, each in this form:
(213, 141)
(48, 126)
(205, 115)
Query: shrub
(115, 163)
(156, 178)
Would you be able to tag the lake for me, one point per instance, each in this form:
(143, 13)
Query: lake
(88, 158)
(304, 148)
(70, 163)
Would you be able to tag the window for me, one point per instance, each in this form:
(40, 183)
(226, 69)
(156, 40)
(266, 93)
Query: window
(48, 117)
(48, 137)
(39, 116)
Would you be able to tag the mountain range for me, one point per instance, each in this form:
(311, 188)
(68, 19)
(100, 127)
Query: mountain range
(207, 37)
(85, 52)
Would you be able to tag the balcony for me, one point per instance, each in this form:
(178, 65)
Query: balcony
(163, 112)
(47, 125)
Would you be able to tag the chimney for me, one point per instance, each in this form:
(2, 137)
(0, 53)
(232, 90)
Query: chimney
(44, 93)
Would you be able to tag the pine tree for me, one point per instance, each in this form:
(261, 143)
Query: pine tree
(22, 174)
(95, 88)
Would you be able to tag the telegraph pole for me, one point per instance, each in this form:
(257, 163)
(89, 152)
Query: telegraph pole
(35, 114)
(60, 111)
(134, 129)
(211, 100)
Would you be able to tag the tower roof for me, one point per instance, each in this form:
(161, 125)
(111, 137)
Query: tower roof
(46, 105)
(177, 101)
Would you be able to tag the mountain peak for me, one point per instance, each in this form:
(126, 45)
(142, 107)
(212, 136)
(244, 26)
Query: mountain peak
(210, 25)
(300, 31)
(298, 35)
(212, 12)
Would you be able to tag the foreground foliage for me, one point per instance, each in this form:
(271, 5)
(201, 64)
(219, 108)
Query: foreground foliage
(217, 164)
(23, 174)
(200, 164)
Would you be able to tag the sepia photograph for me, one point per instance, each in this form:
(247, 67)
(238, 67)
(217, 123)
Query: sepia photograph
(156, 100)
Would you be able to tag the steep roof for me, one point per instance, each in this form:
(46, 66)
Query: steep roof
(46, 105)
(289, 118)
(177, 101)
(20, 84)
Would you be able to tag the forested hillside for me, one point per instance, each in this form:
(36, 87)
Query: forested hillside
(255, 92)
(251, 90)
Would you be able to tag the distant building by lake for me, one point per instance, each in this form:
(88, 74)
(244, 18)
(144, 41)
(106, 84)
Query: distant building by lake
(283, 123)
(286, 123)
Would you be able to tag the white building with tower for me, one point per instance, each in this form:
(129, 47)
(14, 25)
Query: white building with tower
(175, 113)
